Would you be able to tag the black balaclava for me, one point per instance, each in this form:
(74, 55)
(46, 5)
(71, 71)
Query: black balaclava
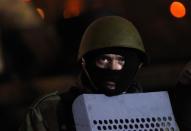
(123, 78)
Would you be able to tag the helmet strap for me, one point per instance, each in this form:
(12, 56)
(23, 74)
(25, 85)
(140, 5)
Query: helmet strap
(87, 74)
(140, 65)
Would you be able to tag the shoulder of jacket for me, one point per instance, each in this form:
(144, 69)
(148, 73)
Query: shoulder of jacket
(53, 97)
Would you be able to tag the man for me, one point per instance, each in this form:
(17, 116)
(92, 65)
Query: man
(182, 98)
(111, 52)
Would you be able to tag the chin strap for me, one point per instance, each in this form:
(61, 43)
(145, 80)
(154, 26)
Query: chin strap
(87, 74)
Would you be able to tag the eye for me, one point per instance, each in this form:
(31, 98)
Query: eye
(103, 60)
(121, 60)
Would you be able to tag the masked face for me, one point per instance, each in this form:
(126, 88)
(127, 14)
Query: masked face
(109, 63)
(112, 72)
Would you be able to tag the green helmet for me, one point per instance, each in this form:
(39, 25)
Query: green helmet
(110, 31)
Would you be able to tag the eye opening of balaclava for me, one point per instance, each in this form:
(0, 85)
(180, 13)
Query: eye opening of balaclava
(122, 78)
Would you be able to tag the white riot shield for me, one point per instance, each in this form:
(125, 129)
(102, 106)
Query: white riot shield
(127, 112)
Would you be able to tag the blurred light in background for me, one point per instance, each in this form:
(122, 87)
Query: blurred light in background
(73, 8)
(177, 9)
(40, 12)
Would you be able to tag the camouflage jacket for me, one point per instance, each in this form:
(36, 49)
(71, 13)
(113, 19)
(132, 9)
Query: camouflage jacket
(53, 112)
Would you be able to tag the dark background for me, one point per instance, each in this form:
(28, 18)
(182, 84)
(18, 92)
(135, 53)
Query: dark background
(44, 58)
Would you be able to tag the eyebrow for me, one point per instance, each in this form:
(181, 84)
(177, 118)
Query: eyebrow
(103, 56)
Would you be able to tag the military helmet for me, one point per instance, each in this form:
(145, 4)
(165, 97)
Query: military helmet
(111, 31)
